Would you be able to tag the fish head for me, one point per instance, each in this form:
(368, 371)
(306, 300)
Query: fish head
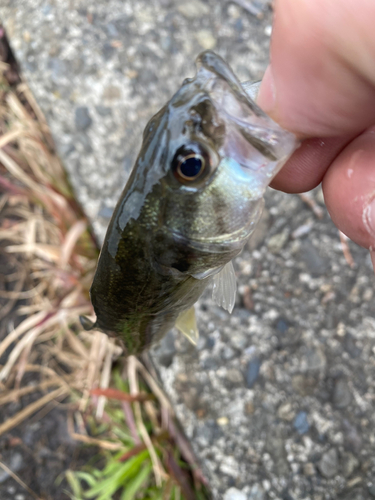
(206, 159)
(220, 152)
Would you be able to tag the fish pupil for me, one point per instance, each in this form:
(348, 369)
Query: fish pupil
(191, 166)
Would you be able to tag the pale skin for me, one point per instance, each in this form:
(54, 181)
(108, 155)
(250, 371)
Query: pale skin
(321, 86)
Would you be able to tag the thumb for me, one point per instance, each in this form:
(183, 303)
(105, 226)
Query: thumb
(321, 81)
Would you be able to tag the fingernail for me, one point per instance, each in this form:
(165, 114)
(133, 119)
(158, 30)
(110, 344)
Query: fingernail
(368, 218)
(267, 95)
(372, 255)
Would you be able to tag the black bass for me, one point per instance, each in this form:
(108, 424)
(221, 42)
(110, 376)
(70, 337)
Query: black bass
(192, 200)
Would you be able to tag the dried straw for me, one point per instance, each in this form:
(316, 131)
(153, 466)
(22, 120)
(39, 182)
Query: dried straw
(19, 481)
(45, 235)
(159, 471)
(49, 242)
(32, 408)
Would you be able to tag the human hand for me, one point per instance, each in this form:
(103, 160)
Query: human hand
(321, 86)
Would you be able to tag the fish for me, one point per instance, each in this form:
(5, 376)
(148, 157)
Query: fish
(193, 199)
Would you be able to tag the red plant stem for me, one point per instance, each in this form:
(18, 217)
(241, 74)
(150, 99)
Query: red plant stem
(180, 477)
(140, 447)
(121, 396)
(130, 421)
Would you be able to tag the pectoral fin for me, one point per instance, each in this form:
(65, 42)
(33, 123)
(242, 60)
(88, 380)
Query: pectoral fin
(225, 287)
(187, 324)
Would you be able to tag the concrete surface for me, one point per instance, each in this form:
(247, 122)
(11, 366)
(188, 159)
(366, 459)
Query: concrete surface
(278, 398)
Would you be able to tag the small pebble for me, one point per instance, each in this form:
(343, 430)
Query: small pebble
(350, 463)
(205, 39)
(341, 396)
(266, 485)
(234, 11)
(111, 92)
(285, 412)
(249, 408)
(282, 326)
(234, 494)
(309, 469)
(227, 353)
(15, 464)
(252, 372)
(316, 265)
(300, 423)
(352, 438)
(368, 294)
(193, 9)
(166, 349)
(222, 421)
(277, 241)
(82, 118)
(103, 110)
(256, 493)
(234, 376)
(329, 463)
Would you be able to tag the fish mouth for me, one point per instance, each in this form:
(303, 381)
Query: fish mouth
(251, 137)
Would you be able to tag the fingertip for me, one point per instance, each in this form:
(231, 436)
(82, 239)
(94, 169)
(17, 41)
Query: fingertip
(322, 81)
(266, 96)
(308, 164)
(349, 190)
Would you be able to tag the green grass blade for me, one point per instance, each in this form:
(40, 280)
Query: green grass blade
(85, 476)
(124, 472)
(74, 484)
(112, 467)
(136, 483)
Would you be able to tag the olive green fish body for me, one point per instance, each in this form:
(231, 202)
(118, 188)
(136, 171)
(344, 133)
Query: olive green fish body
(190, 204)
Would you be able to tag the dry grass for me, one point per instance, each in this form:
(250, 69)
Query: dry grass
(46, 238)
(45, 233)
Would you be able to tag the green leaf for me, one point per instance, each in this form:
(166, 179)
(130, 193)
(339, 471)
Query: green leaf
(97, 473)
(112, 467)
(107, 485)
(89, 478)
(119, 382)
(123, 435)
(135, 484)
(74, 485)
(124, 472)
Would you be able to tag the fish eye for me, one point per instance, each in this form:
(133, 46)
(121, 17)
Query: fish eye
(190, 163)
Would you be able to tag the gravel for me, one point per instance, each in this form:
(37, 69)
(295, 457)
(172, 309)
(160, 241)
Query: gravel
(301, 423)
(329, 463)
(83, 119)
